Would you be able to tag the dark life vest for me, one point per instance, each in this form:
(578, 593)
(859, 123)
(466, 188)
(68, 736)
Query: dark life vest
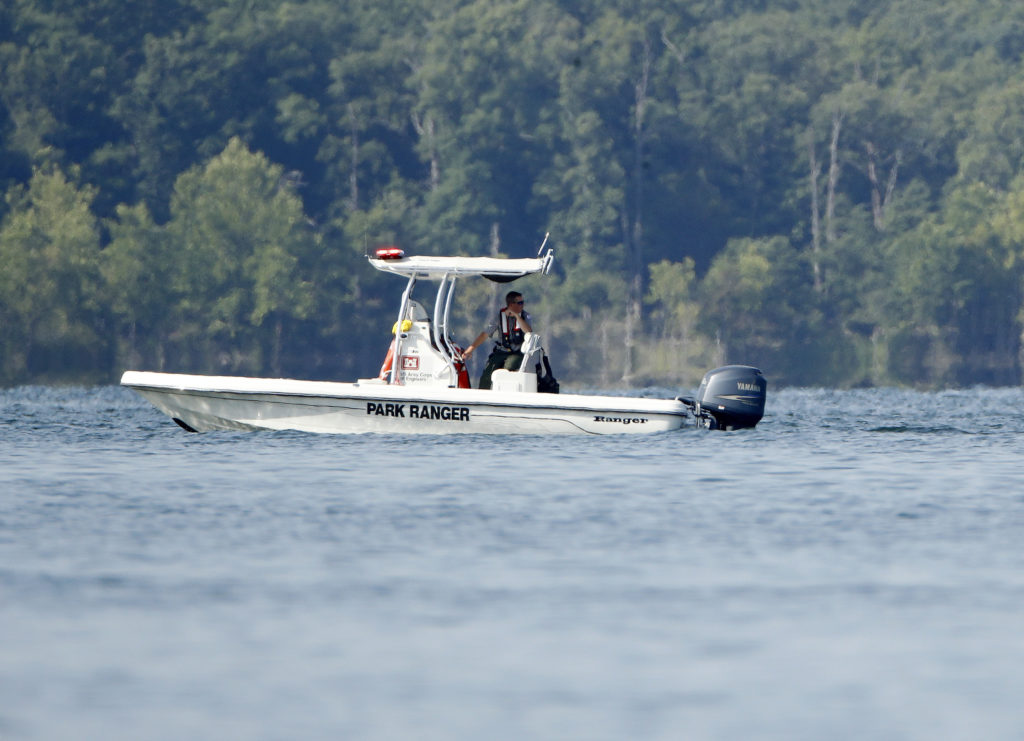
(511, 335)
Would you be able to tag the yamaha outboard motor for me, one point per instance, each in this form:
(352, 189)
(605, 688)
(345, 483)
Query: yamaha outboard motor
(729, 398)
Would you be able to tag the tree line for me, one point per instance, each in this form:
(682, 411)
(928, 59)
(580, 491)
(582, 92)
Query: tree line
(831, 190)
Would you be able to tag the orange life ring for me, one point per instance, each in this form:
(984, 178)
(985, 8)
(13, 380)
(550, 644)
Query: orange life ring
(389, 360)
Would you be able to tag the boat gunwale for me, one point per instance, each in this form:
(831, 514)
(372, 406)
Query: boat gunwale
(531, 401)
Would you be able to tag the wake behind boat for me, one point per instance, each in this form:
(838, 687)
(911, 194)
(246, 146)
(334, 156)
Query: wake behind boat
(423, 387)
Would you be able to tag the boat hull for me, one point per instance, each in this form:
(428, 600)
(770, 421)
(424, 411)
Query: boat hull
(206, 403)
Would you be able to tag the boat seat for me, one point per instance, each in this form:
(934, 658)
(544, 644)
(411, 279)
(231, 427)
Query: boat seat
(524, 379)
(416, 312)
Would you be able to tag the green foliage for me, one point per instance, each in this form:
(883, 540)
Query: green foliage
(832, 190)
(674, 349)
(993, 151)
(136, 266)
(671, 292)
(49, 280)
(756, 303)
(239, 232)
(958, 295)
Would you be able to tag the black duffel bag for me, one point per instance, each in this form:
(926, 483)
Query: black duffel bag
(546, 381)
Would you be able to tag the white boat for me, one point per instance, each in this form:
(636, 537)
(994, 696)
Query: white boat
(425, 390)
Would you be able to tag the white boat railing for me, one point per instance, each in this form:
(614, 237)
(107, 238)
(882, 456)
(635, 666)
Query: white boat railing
(442, 306)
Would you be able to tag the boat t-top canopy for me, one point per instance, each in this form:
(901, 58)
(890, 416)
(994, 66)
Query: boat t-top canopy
(447, 270)
(500, 270)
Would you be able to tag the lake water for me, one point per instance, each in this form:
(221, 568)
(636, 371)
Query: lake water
(851, 569)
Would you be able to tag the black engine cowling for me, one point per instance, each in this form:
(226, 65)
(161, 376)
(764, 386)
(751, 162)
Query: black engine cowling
(731, 398)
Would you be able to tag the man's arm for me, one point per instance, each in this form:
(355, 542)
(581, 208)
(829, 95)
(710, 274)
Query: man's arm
(523, 322)
(480, 339)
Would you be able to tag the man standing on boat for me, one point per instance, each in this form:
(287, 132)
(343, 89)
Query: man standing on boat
(511, 325)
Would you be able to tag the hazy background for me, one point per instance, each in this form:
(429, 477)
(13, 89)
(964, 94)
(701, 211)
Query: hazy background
(828, 189)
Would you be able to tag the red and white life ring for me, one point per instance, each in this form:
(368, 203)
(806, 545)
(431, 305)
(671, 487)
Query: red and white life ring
(389, 360)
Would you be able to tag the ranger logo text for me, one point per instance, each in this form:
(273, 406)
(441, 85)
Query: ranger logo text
(418, 411)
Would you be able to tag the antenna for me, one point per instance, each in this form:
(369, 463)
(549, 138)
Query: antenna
(546, 235)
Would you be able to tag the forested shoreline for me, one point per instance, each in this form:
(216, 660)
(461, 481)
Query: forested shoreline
(828, 189)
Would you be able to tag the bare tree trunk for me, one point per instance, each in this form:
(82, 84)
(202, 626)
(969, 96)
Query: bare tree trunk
(890, 186)
(632, 322)
(425, 129)
(876, 196)
(879, 200)
(133, 353)
(353, 177)
(275, 353)
(815, 214)
(834, 167)
(719, 352)
(605, 353)
(495, 239)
